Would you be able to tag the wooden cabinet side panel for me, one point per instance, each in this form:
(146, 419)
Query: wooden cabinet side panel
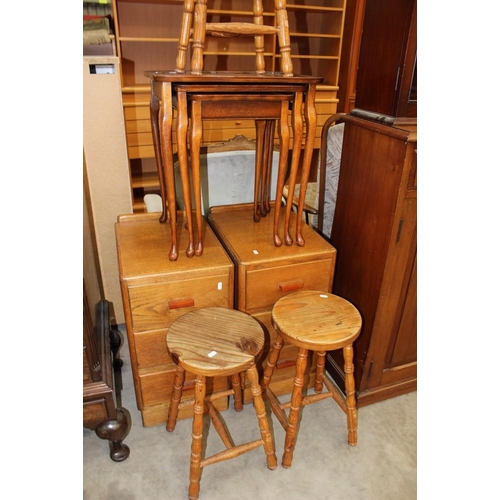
(385, 34)
(388, 364)
(370, 176)
(405, 344)
(393, 343)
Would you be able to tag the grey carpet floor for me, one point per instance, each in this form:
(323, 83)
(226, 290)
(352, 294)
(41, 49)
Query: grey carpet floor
(383, 465)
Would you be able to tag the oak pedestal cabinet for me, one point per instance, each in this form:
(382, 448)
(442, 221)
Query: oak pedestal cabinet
(375, 233)
(156, 291)
(264, 273)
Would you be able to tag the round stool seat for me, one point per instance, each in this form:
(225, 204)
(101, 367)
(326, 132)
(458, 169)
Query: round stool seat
(316, 321)
(215, 341)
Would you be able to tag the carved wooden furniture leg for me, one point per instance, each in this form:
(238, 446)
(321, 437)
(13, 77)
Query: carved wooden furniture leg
(311, 118)
(294, 167)
(196, 133)
(260, 126)
(284, 135)
(186, 23)
(115, 341)
(182, 127)
(115, 432)
(154, 107)
(165, 118)
(101, 412)
(268, 166)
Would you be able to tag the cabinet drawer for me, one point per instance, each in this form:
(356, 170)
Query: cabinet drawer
(158, 305)
(94, 412)
(151, 349)
(288, 354)
(284, 372)
(265, 286)
(156, 385)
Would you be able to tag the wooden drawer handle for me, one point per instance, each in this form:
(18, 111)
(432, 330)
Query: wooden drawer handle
(188, 385)
(289, 286)
(179, 303)
(285, 364)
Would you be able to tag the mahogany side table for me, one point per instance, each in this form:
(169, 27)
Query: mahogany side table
(170, 90)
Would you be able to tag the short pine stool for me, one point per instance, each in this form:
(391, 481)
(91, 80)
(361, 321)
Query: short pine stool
(319, 322)
(210, 342)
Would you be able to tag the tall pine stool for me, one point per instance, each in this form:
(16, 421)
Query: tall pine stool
(197, 26)
(210, 342)
(318, 322)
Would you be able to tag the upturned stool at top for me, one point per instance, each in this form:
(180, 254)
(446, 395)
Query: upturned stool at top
(214, 342)
(319, 322)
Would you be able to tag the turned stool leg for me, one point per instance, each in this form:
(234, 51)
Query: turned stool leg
(320, 370)
(187, 22)
(237, 391)
(196, 444)
(283, 37)
(260, 411)
(199, 31)
(352, 412)
(271, 361)
(258, 18)
(173, 410)
(295, 405)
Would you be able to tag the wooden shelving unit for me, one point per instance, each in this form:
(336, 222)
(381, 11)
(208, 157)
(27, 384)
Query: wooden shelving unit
(146, 39)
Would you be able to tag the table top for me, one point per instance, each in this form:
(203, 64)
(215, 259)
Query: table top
(229, 77)
(251, 243)
(143, 244)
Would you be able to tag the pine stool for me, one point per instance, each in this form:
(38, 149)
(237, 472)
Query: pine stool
(194, 25)
(210, 342)
(319, 322)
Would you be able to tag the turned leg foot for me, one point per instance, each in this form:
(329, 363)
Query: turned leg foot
(116, 342)
(115, 432)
